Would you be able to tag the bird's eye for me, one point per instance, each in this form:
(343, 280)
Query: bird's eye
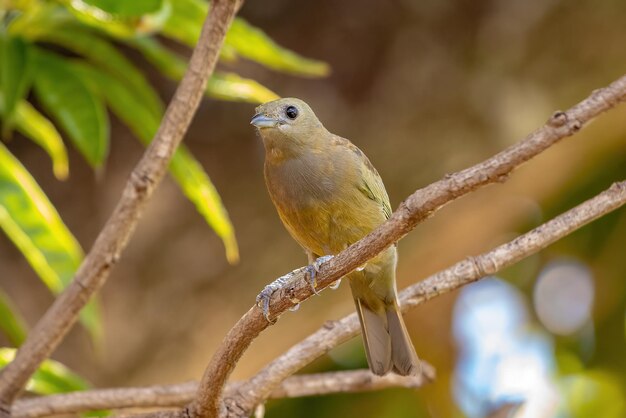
(291, 112)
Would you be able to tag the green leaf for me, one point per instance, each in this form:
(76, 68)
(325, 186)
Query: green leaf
(36, 18)
(230, 86)
(11, 323)
(254, 44)
(51, 377)
(127, 8)
(124, 104)
(197, 186)
(187, 172)
(121, 20)
(97, 18)
(15, 77)
(37, 127)
(224, 86)
(185, 22)
(33, 224)
(106, 56)
(70, 101)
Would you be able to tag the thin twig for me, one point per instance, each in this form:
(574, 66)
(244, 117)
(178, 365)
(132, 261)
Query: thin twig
(93, 272)
(165, 396)
(333, 333)
(347, 382)
(180, 394)
(417, 207)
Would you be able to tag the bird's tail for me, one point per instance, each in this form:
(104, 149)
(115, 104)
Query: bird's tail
(386, 340)
(403, 356)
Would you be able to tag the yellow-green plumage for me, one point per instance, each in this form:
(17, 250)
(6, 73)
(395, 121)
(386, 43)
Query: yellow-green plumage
(329, 196)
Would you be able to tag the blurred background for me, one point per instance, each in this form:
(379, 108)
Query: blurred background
(424, 88)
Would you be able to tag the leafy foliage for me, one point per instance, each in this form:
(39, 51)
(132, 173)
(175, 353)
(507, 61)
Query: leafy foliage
(14, 77)
(37, 127)
(74, 105)
(76, 81)
(51, 377)
(31, 222)
(13, 326)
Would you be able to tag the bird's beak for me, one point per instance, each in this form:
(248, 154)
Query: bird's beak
(262, 121)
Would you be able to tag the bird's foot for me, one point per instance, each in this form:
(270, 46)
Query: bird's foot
(313, 269)
(263, 298)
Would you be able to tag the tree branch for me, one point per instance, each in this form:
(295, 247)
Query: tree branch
(417, 207)
(165, 396)
(241, 397)
(93, 272)
(179, 395)
(333, 333)
(347, 382)
(273, 380)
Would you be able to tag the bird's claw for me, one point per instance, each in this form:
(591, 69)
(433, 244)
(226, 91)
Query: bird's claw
(335, 285)
(310, 274)
(263, 298)
(314, 268)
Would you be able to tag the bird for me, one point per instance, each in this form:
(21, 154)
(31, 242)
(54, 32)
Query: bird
(329, 195)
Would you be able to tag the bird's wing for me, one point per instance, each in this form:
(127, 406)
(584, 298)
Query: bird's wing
(371, 184)
(374, 188)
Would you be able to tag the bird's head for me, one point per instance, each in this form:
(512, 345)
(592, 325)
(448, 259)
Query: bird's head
(287, 123)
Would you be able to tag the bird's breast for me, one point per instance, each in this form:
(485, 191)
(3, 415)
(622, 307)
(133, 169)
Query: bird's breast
(317, 200)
